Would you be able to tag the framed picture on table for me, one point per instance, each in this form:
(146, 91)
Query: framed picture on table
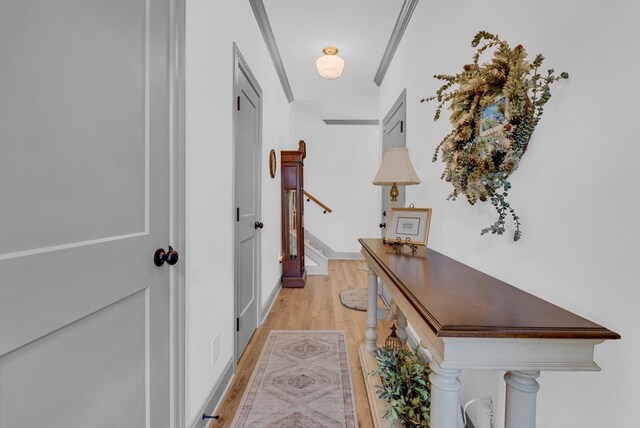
(409, 225)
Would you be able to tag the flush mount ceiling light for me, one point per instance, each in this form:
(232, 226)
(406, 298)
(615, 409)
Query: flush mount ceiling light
(330, 65)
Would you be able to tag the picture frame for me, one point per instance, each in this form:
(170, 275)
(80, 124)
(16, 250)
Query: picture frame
(409, 226)
(494, 116)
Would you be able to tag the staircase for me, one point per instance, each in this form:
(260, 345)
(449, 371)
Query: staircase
(315, 262)
(317, 253)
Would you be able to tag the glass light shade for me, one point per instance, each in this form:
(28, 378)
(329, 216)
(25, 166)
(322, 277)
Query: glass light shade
(396, 168)
(330, 65)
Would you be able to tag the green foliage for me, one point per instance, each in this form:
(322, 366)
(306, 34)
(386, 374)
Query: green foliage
(479, 162)
(405, 385)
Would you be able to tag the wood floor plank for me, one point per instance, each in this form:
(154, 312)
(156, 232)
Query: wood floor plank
(315, 307)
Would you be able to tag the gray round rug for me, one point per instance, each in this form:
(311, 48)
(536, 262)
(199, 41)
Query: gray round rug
(354, 298)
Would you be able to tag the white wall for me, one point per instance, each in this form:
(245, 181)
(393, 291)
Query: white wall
(340, 165)
(575, 190)
(212, 27)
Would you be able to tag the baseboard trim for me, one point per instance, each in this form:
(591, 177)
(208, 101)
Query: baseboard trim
(266, 308)
(328, 252)
(337, 255)
(211, 405)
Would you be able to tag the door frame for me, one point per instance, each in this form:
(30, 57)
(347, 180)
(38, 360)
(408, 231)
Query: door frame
(240, 63)
(400, 102)
(177, 219)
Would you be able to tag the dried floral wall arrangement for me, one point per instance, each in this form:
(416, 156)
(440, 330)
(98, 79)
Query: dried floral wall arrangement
(495, 108)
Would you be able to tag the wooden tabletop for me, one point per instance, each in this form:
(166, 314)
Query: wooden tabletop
(458, 301)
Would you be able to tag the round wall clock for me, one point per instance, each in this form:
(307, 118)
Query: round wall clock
(272, 163)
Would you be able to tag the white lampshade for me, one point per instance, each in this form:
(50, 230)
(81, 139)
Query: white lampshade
(330, 65)
(396, 168)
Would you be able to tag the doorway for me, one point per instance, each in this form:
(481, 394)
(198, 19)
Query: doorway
(394, 128)
(248, 150)
(85, 314)
(394, 135)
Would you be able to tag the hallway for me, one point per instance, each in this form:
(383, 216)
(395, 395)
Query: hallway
(315, 307)
(143, 216)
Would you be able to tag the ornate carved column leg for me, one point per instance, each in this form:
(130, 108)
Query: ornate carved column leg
(372, 316)
(522, 388)
(445, 397)
(402, 328)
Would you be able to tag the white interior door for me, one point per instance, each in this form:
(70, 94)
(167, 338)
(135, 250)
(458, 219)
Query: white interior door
(394, 127)
(247, 176)
(393, 136)
(84, 202)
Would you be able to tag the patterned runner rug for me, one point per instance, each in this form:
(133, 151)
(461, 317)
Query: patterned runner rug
(302, 379)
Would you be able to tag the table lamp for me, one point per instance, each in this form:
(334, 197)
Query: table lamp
(396, 170)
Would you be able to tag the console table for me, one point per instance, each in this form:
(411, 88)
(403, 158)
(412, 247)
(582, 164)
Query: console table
(470, 320)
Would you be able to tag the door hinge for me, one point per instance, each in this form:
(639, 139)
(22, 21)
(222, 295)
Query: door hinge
(238, 102)
(238, 214)
(401, 125)
(237, 324)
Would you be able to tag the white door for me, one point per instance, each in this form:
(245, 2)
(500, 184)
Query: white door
(84, 202)
(248, 166)
(393, 136)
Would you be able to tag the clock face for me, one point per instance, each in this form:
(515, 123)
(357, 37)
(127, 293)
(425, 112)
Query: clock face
(272, 163)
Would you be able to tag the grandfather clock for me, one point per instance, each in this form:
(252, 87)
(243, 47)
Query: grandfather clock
(293, 271)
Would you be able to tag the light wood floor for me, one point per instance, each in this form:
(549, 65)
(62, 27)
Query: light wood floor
(315, 307)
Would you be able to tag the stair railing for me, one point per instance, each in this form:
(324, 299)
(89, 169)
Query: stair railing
(310, 197)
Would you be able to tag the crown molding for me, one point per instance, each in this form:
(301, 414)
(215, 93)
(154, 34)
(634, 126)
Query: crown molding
(396, 36)
(267, 33)
(351, 121)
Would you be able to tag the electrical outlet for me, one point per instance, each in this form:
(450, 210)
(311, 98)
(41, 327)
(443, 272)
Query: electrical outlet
(483, 414)
(215, 349)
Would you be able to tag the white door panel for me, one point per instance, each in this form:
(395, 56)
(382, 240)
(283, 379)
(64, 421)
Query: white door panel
(84, 156)
(73, 82)
(73, 361)
(393, 136)
(248, 149)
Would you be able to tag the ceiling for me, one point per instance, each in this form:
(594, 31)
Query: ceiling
(359, 28)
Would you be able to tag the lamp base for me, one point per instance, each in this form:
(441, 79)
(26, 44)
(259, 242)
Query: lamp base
(394, 192)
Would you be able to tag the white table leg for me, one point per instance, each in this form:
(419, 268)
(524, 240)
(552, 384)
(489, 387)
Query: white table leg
(445, 397)
(372, 317)
(522, 388)
(402, 328)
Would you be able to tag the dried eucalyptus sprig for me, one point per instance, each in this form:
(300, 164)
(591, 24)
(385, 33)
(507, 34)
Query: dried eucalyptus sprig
(495, 107)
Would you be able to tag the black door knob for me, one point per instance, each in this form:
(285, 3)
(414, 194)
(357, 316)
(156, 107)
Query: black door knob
(259, 225)
(161, 256)
(382, 225)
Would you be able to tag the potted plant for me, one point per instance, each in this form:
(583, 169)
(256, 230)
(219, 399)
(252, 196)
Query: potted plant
(405, 386)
